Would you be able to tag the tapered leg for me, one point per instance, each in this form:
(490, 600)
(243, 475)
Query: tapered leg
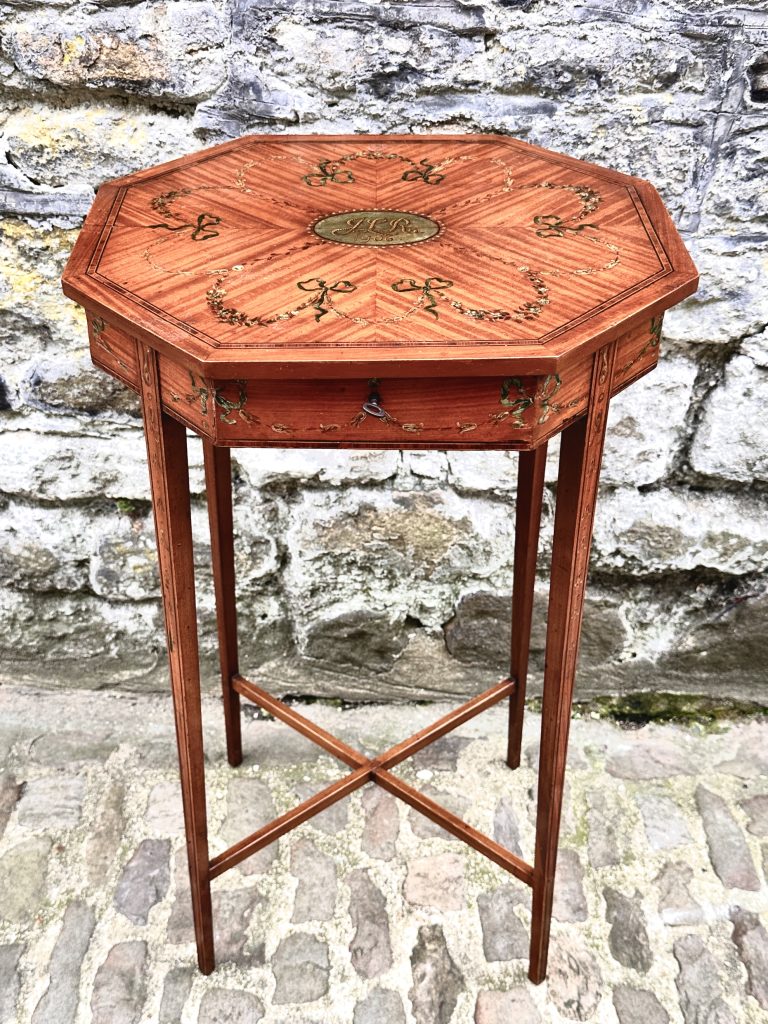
(169, 477)
(530, 489)
(580, 456)
(218, 484)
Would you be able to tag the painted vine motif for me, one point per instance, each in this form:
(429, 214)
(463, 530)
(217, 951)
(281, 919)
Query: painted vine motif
(428, 293)
(201, 393)
(425, 296)
(653, 342)
(517, 399)
(335, 172)
(98, 326)
(515, 395)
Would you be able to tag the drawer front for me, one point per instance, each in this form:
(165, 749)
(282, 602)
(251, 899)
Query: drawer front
(452, 412)
(393, 413)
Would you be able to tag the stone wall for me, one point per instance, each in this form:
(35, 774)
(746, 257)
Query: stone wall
(388, 575)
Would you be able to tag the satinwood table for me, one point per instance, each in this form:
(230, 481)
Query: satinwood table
(420, 292)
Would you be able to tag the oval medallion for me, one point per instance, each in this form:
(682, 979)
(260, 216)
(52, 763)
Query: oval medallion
(376, 227)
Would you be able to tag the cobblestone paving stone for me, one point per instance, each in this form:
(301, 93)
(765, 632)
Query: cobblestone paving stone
(366, 915)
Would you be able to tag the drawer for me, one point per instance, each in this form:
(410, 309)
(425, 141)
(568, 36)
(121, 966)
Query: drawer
(397, 412)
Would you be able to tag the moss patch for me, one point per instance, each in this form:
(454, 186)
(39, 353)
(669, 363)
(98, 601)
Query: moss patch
(637, 709)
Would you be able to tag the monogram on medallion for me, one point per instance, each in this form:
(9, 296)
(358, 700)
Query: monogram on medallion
(376, 227)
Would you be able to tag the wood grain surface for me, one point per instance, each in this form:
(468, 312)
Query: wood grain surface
(532, 257)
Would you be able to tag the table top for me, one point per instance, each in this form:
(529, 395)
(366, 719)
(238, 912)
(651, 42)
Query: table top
(341, 255)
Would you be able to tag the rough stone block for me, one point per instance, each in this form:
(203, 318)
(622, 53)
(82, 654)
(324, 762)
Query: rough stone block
(66, 206)
(123, 565)
(144, 880)
(756, 808)
(414, 549)
(423, 827)
(505, 937)
(329, 821)
(91, 143)
(73, 384)
(380, 1005)
(604, 843)
(670, 531)
(232, 912)
(436, 881)
(176, 988)
(229, 1006)
(647, 425)
(676, 905)
(33, 314)
(449, 15)
(480, 630)
(80, 641)
(721, 651)
(698, 983)
(751, 757)
(652, 757)
(442, 755)
(120, 985)
(112, 50)
(479, 633)
(44, 549)
(665, 826)
(100, 845)
(54, 801)
(741, 158)
(10, 982)
(382, 823)
(728, 848)
(575, 983)
(437, 980)
(570, 901)
(165, 814)
(731, 303)
(500, 1007)
(249, 806)
(60, 468)
(751, 940)
(315, 871)
(10, 790)
(638, 1006)
(60, 1000)
(370, 946)
(300, 966)
(731, 440)
(483, 472)
(353, 637)
(628, 937)
(283, 467)
(506, 828)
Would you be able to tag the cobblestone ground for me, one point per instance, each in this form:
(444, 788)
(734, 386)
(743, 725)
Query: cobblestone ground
(370, 914)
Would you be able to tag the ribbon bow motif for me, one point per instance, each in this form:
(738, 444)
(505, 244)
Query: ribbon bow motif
(201, 229)
(428, 289)
(316, 284)
(328, 170)
(424, 175)
(552, 226)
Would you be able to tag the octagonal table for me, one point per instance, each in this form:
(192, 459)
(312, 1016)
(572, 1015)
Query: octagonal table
(420, 292)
